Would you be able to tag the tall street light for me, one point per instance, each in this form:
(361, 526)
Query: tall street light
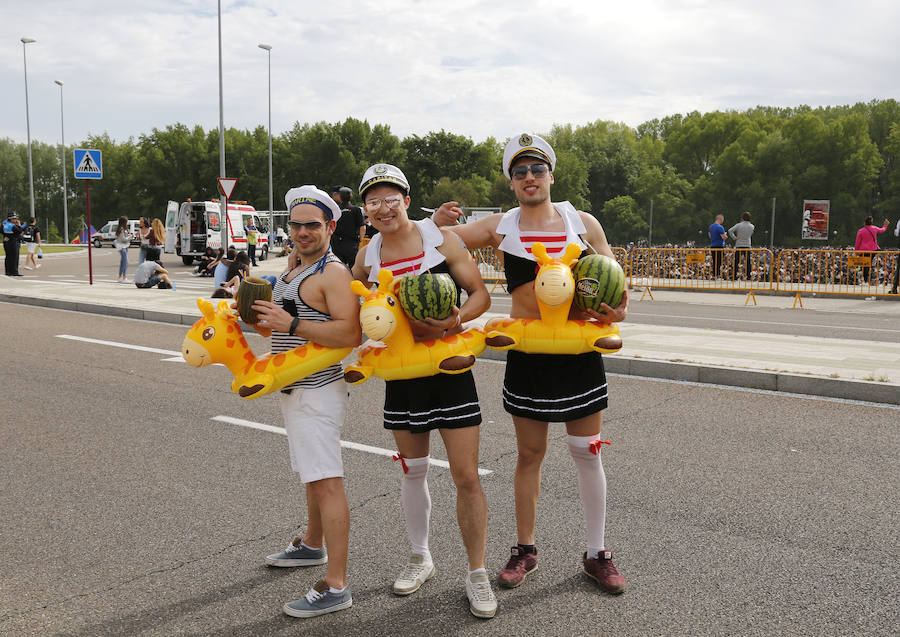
(28, 125)
(223, 218)
(62, 157)
(268, 48)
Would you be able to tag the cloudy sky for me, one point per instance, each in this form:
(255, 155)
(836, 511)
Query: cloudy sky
(472, 67)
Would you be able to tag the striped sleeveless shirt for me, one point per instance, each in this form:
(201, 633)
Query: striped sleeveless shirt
(287, 295)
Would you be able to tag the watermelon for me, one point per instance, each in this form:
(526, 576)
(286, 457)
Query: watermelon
(427, 296)
(598, 279)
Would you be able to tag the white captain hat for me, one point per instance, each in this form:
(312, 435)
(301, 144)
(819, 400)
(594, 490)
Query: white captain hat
(383, 174)
(527, 145)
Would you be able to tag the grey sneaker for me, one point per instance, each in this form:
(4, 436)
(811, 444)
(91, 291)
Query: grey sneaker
(414, 574)
(297, 555)
(482, 602)
(318, 601)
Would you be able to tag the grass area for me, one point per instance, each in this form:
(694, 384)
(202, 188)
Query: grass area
(47, 249)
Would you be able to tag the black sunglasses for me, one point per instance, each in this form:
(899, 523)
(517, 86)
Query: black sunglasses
(538, 170)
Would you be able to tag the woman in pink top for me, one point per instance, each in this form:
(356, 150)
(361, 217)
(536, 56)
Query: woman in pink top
(867, 241)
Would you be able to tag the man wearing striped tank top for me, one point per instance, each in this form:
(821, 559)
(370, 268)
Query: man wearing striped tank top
(446, 402)
(543, 388)
(312, 301)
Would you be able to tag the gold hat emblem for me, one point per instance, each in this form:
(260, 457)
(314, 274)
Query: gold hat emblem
(379, 170)
(525, 140)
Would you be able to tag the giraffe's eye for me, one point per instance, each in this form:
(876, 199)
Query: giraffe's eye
(390, 301)
(208, 333)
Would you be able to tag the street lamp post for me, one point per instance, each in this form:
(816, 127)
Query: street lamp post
(62, 157)
(223, 218)
(268, 49)
(28, 126)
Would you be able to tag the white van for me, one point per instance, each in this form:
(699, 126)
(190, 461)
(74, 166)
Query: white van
(193, 226)
(107, 234)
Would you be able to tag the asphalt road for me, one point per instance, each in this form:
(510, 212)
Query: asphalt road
(126, 509)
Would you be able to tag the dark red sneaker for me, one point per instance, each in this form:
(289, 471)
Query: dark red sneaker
(604, 572)
(519, 565)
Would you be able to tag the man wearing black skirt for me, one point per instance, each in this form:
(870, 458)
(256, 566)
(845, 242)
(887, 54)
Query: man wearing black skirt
(446, 402)
(543, 388)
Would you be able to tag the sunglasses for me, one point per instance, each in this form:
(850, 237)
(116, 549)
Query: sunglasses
(391, 202)
(538, 170)
(309, 226)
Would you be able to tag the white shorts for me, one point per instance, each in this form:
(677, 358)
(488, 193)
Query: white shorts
(31, 247)
(313, 419)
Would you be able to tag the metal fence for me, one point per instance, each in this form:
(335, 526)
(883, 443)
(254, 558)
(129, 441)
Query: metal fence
(801, 272)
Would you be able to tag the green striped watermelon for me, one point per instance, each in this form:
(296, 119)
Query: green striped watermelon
(427, 296)
(598, 279)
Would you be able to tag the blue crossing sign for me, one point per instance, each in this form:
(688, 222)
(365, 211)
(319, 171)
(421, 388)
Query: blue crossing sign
(88, 163)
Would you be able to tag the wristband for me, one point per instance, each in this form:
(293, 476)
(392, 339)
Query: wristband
(294, 325)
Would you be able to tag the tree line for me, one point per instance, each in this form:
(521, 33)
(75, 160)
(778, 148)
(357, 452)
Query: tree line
(690, 166)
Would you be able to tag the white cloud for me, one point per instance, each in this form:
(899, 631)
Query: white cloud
(470, 67)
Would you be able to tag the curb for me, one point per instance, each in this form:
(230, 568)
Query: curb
(807, 384)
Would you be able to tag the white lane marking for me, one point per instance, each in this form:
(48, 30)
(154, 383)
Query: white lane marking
(61, 276)
(139, 348)
(743, 321)
(344, 443)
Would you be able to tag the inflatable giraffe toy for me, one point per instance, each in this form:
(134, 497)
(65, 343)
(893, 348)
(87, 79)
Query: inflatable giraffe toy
(217, 338)
(553, 333)
(399, 356)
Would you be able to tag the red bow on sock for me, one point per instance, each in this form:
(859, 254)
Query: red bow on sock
(596, 444)
(402, 462)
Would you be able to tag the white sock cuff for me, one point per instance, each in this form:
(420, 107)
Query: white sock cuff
(417, 467)
(582, 441)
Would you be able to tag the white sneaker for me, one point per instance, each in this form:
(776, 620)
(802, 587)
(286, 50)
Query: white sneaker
(416, 572)
(28, 267)
(482, 602)
(38, 265)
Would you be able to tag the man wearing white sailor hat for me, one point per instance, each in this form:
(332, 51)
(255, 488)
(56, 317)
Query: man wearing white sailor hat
(326, 312)
(445, 402)
(543, 388)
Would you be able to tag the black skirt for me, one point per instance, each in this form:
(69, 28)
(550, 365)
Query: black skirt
(442, 401)
(554, 387)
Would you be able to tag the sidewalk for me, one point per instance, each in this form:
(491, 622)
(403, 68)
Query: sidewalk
(860, 370)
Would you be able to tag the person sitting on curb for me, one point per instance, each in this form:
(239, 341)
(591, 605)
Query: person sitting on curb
(150, 274)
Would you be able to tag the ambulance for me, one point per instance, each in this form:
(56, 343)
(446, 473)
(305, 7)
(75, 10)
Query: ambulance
(193, 226)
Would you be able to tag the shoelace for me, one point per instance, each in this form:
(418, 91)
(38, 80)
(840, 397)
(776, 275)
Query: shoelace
(481, 591)
(412, 571)
(313, 595)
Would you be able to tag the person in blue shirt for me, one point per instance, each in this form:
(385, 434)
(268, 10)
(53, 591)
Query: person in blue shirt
(717, 244)
(12, 232)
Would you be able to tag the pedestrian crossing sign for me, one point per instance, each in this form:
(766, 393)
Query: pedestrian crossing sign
(88, 163)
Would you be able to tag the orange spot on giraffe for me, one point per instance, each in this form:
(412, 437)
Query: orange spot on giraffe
(261, 366)
(229, 343)
(278, 360)
(229, 328)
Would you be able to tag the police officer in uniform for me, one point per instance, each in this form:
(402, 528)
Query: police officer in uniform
(12, 231)
(351, 226)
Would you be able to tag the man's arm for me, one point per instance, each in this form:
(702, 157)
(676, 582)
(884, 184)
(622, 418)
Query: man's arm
(477, 234)
(359, 270)
(465, 272)
(597, 238)
(342, 330)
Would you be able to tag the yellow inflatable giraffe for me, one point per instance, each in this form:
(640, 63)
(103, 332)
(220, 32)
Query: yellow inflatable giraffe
(217, 338)
(399, 356)
(553, 333)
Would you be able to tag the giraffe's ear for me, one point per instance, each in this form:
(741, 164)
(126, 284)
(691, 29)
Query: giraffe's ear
(571, 255)
(358, 288)
(540, 252)
(385, 277)
(206, 308)
(223, 308)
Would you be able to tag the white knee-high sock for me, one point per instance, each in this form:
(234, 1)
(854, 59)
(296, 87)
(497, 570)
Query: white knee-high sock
(416, 502)
(585, 451)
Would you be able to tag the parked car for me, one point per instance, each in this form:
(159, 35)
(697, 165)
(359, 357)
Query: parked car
(107, 234)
